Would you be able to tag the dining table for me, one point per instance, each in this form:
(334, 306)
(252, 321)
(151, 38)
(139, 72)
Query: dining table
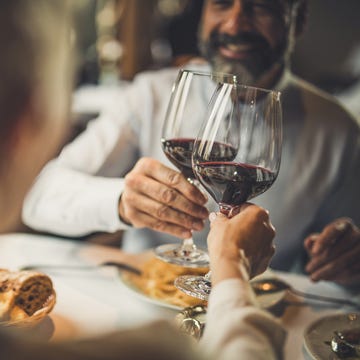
(93, 300)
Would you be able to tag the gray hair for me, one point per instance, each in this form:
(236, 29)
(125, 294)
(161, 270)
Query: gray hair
(31, 32)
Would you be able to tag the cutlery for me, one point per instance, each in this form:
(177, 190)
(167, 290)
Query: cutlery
(118, 265)
(346, 343)
(272, 285)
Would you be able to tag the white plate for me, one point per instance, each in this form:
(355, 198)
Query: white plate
(318, 335)
(136, 291)
(265, 301)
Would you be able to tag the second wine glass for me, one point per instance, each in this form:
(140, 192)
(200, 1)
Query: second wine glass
(236, 155)
(190, 96)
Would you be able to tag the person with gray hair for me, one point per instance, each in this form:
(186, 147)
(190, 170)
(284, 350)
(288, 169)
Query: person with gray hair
(35, 79)
(35, 83)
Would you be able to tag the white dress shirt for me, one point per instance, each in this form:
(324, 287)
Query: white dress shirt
(78, 192)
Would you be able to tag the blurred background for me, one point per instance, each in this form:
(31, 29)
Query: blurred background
(119, 38)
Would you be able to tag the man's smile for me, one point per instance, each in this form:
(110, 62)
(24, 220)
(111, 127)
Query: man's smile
(237, 51)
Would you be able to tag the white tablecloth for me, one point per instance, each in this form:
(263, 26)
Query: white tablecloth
(95, 301)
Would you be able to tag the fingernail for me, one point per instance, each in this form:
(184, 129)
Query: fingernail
(314, 278)
(197, 225)
(341, 226)
(212, 216)
(205, 213)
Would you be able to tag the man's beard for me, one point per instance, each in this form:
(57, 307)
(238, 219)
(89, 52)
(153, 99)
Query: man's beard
(249, 70)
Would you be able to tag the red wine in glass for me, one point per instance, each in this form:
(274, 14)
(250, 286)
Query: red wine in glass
(232, 184)
(245, 122)
(179, 152)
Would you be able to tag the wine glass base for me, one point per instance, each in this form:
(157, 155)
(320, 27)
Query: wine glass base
(177, 255)
(195, 286)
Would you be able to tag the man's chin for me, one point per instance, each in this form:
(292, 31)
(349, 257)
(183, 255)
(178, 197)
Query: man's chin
(249, 73)
(236, 68)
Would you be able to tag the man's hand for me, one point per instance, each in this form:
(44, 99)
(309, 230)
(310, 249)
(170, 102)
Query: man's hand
(161, 199)
(249, 233)
(335, 253)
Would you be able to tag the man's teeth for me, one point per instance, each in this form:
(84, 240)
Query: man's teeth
(238, 47)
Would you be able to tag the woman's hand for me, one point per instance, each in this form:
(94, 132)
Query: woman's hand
(245, 239)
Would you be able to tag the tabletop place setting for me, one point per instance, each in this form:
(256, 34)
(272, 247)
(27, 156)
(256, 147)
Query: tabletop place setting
(234, 156)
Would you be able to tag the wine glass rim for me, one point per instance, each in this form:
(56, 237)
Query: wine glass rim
(270, 91)
(209, 73)
(233, 77)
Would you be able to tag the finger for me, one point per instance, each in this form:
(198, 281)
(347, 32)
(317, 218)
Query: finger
(144, 220)
(263, 262)
(237, 209)
(344, 245)
(346, 279)
(166, 195)
(171, 178)
(349, 274)
(331, 234)
(332, 269)
(135, 203)
(309, 242)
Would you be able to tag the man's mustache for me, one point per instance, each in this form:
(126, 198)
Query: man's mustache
(217, 39)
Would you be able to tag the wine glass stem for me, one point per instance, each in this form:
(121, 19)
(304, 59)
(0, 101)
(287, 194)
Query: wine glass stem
(207, 276)
(225, 209)
(188, 244)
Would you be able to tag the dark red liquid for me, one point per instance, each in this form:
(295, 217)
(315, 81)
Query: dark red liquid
(232, 183)
(179, 152)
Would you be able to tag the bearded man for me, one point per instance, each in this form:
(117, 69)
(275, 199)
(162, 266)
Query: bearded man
(115, 176)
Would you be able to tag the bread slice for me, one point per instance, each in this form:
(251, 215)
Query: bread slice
(22, 293)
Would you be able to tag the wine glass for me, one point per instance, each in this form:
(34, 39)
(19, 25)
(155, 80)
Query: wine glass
(191, 94)
(236, 155)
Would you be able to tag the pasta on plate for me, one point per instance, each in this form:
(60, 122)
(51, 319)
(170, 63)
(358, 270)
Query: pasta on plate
(157, 282)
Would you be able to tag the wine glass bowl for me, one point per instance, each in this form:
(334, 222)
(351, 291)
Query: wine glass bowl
(190, 96)
(237, 153)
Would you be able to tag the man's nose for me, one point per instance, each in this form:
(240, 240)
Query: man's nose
(237, 18)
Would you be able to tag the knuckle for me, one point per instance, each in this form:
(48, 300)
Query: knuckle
(130, 179)
(144, 163)
(272, 231)
(168, 196)
(262, 214)
(130, 214)
(127, 197)
(272, 251)
(174, 178)
(186, 221)
(159, 226)
(161, 211)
